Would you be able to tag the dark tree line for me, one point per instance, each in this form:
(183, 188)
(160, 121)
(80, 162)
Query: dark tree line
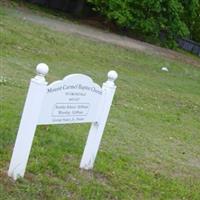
(76, 7)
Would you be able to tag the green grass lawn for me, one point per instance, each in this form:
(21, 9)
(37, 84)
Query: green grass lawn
(151, 145)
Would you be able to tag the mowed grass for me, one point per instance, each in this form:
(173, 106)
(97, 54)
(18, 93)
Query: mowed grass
(151, 145)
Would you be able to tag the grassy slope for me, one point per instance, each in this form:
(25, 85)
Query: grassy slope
(150, 148)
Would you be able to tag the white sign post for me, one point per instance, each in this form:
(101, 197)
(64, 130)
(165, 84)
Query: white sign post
(75, 99)
(97, 128)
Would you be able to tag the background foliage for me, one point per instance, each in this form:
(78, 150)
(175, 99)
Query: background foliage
(160, 20)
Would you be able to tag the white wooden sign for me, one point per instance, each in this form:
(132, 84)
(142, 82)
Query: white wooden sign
(75, 99)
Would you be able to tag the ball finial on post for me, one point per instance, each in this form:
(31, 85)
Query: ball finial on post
(42, 69)
(112, 76)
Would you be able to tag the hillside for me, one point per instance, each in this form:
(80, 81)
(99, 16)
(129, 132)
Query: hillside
(150, 147)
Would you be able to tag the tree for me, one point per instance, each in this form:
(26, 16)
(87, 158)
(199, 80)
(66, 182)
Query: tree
(191, 17)
(147, 17)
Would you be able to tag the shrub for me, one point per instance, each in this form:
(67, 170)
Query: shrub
(147, 17)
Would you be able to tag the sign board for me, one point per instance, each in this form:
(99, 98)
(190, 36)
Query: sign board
(75, 99)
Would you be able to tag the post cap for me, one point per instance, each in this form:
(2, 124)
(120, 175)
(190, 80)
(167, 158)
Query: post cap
(42, 69)
(112, 75)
